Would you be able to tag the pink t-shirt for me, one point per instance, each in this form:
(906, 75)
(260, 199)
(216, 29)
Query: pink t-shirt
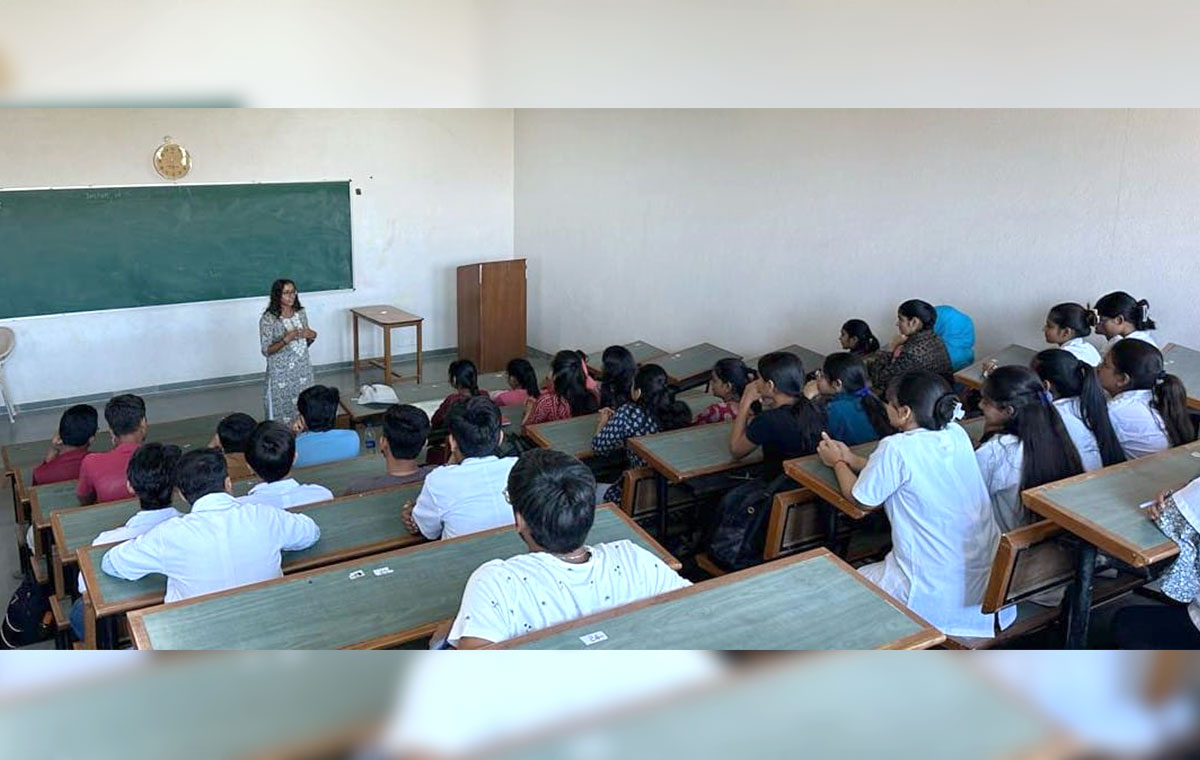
(104, 475)
(513, 397)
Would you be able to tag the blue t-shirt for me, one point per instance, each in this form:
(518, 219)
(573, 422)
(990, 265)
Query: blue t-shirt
(957, 331)
(846, 420)
(327, 446)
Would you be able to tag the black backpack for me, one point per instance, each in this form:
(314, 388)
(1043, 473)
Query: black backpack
(740, 534)
(23, 619)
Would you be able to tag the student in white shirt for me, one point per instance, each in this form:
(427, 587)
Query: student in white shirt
(150, 475)
(270, 452)
(943, 534)
(562, 578)
(467, 495)
(1067, 326)
(1148, 406)
(1120, 316)
(1082, 405)
(220, 544)
(1025, 443)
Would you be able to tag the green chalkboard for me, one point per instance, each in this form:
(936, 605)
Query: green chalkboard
(118, 247)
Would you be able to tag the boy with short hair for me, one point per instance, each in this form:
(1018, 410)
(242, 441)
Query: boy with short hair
(317, 442)
(102, 476)
(270, 452)
(232, 433)
(76, 431)
(405, 431)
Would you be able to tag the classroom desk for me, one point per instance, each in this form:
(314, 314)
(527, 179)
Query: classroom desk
(972, 376)
(641, 350)
(351, 527)
(812, 600)
(326, 609)
(408, 393)
(1101, 509)
(814, 475)
(1184, 363)
(692, 366)
(572, 436)
(386, 317)
(690, 452)
(812, 360)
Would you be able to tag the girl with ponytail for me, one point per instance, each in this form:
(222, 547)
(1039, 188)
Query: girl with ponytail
(1025, 443)
(616, 376)
(789, 425)
(728, 382)
(853, 413)
(916, 347)
(1120, 316)
(1148, 407)
(566, 395)
(464, 378)
(522, 384)
(1082, 405)
(857, 338)
(1066, 327)
(927, 481)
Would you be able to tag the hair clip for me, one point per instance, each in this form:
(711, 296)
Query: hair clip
(958, 412)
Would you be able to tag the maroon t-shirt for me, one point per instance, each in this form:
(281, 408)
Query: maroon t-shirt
(65, 466)
(104, 474)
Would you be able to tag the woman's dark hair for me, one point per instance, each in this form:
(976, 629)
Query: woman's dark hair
(569, 383)
(1071, 378)
(1143, 363)
(555, 494)
(464, 376)
(1121, 304)
(522, 371)
(616, 378)
(276, 305)
(1073, 317)
(151, 472)
(786, 372)
(928, 395)
(849, 369)
(865, 341)
(658, 399)
(917, 309)
(735, 372)
(1049, 453)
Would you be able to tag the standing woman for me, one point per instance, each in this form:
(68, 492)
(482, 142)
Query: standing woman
(285, 337)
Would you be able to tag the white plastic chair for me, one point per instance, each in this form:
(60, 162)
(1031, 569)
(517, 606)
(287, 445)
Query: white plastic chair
(8, 341)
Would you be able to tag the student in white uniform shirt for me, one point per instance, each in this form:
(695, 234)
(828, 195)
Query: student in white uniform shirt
(1082, 405)
(270, 452)
(943, 534)
(220, 544)
(562, 578)
(1067, 326)
(1025, 443)
(150, 475)
(1121, 316)
(467, 495)
(1148, 407)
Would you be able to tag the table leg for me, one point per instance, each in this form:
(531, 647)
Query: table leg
(1080, 601)
(418, 353)
(662, 508)
(387, 355)
(89, 623)
(355, 348)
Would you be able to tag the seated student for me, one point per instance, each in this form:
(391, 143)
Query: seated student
(853, 413)
(270, 452)
(652, 409)
(317, 442)
(562, 578)
(728, 381)
(1121, 316)
(616, 377)
(76, 430)
(589, 379)
(405, 431)
(522, 384)
(1067, 325)
(464, 378)
(1082, 405)
(220, 544)
(466, 496)
(231, 437)
(566, 393)
(957, 331)
(917, 347)
(1148, 407)
(102, 476)
(1025, 443)
(151, 476)
(857, 338)
(926, 478)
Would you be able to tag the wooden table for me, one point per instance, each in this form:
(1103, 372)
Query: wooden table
(1184, 363)
(812, 360)
(352, 526)
(692, 366)
(571, 436)
(641, 350)
(326, 609)
(386, 317)
(408, 393)
(1101, 509)
(972, 376)
(812, 600)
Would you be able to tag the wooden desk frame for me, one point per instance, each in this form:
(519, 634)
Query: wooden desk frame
(385, 363)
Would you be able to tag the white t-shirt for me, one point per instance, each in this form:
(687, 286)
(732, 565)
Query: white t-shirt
(142, 521)
(286, 493)
(1139, 426)
(1083, 351)
(506, 598)
(1000, 460)
(943, 534)
(1135, 335)
(457, 499)
(1071, 414)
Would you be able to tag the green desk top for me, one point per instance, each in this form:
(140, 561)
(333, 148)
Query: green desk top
(1184, 363)
(1101, 507)
(641, 350)
(352, 526)
(690, 452)
(810, 601)
(572, 436)
(326, 609)
(409, 392)
(692, 363)
(972, 375)
(811, 360)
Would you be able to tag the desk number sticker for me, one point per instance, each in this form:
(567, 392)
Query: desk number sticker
(593, 638)
(356, 575)
(382, 571)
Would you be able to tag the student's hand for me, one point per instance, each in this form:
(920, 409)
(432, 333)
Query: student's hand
(310, 334)
(1155, 510)
(290, 336)
(56, 447)
(831, 452)
(811, 390)
(298, 426)
(897, 341)
(751, 394)
(605, 415)
(406, 516)
(989, 367)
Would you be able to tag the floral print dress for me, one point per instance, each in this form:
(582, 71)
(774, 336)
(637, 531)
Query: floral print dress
(289, 369)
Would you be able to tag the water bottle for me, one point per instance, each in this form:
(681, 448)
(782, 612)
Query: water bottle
(370, 440)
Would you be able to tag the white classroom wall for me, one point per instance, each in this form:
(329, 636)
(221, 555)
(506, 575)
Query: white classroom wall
(437, 191)
(757, 228)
